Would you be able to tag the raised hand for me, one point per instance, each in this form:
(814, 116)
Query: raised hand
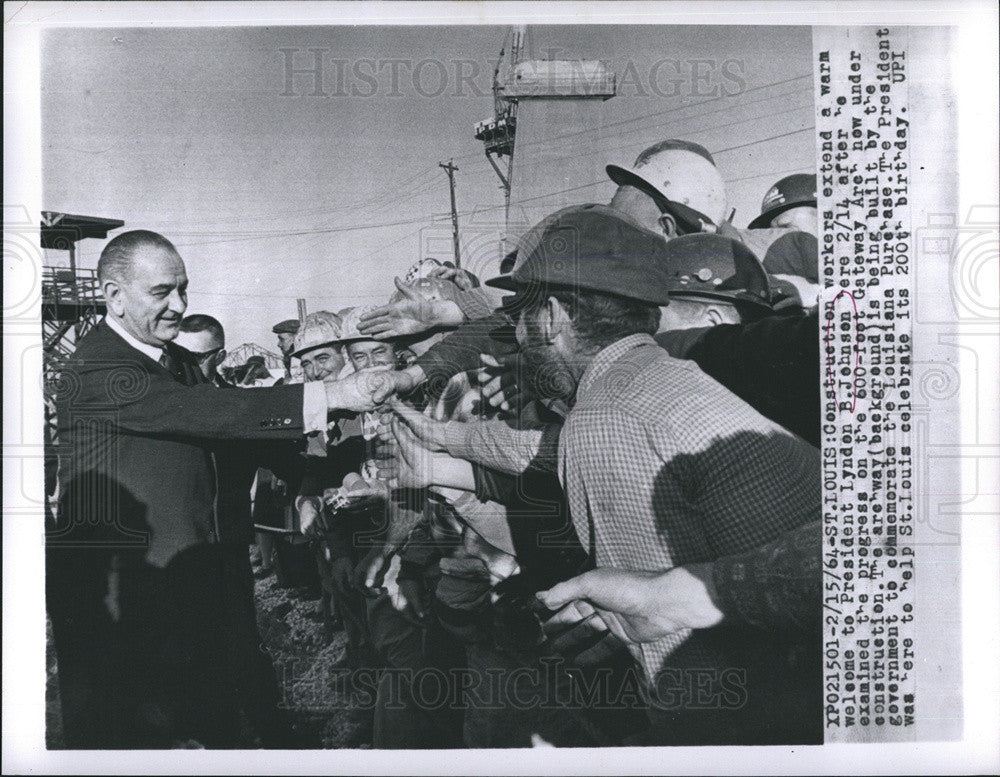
(409, 316)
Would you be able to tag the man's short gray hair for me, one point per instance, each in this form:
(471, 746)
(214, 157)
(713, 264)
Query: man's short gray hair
(116, 258)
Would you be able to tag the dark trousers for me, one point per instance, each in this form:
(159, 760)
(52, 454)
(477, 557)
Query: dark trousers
(405, 717)
(144, 654)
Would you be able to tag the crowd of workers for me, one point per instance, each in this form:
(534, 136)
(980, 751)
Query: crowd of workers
(576, 505)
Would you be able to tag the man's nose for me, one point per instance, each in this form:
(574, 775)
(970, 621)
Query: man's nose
(176, 303)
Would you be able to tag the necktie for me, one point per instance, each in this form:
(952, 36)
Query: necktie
(170, 365)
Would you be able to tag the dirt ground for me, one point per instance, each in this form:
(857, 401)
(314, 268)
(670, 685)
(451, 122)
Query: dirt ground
(291, 628)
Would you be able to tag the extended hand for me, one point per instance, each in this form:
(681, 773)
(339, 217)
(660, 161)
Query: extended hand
(409, 316)
(370, 571)
(641, 606)
(365, 389)
(429, 432)
(461, 278)
(502, 381)
(407, 600)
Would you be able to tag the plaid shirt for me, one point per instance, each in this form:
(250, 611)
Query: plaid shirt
(664, 467)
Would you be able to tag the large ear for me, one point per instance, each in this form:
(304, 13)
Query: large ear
(112, 290)
(715, 315)
(555, 319)
(669, 225)
(220, 357)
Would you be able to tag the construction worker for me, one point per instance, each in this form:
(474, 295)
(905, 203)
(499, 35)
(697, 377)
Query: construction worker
(662, 466)
(685, 193)
(285, 330)
(673, 187)
(318, 349)
(790, 203)
(792, 258)
(719, 298)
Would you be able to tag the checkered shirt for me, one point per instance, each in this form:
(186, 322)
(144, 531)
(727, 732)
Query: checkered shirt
(663, 466)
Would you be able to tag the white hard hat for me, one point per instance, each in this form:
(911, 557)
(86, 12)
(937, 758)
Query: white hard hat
(349, 318)
(319, 329)
(683, 177)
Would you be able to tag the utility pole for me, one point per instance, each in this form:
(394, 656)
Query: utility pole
(450, 169)
(302, 310)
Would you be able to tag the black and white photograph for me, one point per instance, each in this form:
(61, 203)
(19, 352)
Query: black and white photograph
(402, 377)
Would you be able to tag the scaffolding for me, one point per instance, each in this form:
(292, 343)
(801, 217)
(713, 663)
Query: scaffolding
(71, 298)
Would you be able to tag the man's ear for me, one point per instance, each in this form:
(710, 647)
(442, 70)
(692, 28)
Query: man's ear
(555, 318)
(111, 289)
(669, 225)
(219, 358)
(715, 315)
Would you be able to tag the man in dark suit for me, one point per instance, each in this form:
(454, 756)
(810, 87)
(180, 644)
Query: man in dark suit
(133, 563)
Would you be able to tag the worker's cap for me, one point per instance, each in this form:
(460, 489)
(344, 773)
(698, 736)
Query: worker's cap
(682, 179)
(593, 248)
(287, 327)
(715, 267)
(793, 191)
(319, 329)
(256, 360)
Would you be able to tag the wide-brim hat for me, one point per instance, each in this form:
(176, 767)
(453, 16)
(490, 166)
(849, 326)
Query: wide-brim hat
(592, 248)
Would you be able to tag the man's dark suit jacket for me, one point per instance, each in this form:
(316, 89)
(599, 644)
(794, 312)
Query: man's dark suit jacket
(135, 444)
(135, 588)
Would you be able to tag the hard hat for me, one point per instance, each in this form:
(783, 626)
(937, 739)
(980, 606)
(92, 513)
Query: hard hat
(682, 178)
(319, 329)
(349, 318)
(715, 267)
(793, 191)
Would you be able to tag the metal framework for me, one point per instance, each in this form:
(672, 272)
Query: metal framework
(241, 353)
(71, 298)
(499, 131)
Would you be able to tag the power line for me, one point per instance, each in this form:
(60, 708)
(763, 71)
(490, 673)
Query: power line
(748, 120)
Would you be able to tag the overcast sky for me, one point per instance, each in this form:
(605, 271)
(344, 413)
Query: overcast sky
(271, 196)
